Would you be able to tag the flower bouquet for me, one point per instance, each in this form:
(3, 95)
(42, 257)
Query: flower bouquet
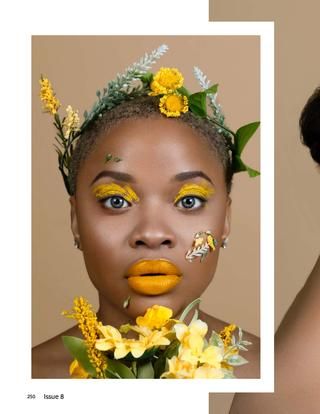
(158, 346)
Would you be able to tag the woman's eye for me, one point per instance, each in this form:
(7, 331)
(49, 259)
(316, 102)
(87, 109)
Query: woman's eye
(115, 202)
(190, 202)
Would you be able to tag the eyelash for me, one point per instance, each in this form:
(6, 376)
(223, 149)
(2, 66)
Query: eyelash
(104, 202)
(200, 199)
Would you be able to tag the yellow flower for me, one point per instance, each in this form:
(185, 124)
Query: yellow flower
(155, 317)
(111, 338)
(213, 356)
(226, 334)
(173, 105)
(50, 103)
(71, 122)
(165, 81)
(191, 337)
(88, 325)
(207, 371)
(76, 370)
(179, 369)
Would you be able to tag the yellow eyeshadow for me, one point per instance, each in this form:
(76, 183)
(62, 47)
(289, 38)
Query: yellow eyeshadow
(204, 191)
(102, 191)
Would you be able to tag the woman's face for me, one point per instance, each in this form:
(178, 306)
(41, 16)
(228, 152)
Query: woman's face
(168, 186)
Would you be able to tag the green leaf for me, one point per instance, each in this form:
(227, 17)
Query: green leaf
(184, 91)
(119, 368)
(188, 309)
(213, 89)
(197, 104)
(78, 349)
(171, 351)
(108, 157)
(243, 135)
(215, 340)
(117, 159)
(147, 78)
(236, 360)
(238, 165)
(146, 371)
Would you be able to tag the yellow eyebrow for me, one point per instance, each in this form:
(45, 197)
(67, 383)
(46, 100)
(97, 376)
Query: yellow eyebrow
(201, 190)
(102, 191)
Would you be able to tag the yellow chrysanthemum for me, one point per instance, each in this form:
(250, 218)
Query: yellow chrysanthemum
(71, 122)
(166, 80)
(50, 102)
(76, 370)
(88, 325)
(155, 317)
(226, 334)
(173, 105)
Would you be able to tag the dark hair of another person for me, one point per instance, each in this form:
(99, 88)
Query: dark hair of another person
(147, 107)
(310, 125)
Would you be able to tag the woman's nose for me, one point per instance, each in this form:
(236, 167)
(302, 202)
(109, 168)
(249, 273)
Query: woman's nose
(152, 235)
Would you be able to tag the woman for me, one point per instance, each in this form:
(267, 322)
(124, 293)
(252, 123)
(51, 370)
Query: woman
(144, 178)
(297, 379)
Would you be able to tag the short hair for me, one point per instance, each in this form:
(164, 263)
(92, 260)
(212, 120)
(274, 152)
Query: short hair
(146, 107)
(310, 125)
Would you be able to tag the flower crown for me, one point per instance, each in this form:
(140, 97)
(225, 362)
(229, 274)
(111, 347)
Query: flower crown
(137, 81)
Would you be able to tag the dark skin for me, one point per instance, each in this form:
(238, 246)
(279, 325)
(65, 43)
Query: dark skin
(159, 156)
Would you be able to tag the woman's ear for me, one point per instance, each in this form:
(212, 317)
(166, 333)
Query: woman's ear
(74, 222)
(227, 221)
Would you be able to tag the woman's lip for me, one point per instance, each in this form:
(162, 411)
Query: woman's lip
(156, 267)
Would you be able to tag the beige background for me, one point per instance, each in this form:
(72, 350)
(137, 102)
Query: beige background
(77, 67)
(297, 178)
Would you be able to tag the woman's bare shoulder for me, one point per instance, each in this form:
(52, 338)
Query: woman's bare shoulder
(51, 359)
(250, 370)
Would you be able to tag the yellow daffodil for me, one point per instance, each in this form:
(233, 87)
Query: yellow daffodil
(207, 371)
(155, 317)
(192, 337)
(76, 370)
(71, 122)
(173, 105)
(179, 369)
(166, 80)
(212, 355)
(111, 337)
(51, 104)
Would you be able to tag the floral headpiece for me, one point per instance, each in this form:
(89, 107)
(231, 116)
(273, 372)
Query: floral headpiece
(137, 81)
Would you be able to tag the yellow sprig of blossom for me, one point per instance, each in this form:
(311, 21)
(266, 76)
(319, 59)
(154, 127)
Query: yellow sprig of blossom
(226, 334)
(49, 100)
(88, 325)
(71, 122)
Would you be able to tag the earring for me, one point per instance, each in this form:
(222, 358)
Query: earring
(224, 243)
(203, 243)
(76, 243)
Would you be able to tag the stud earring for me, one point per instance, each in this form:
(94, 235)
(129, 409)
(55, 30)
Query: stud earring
(224, 243)
(203, 243)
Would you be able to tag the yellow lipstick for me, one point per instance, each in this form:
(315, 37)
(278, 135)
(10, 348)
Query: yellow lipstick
(153, 277)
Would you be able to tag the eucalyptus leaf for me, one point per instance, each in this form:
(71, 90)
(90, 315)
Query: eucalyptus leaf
(119, 368)
(243, 135)
(236, 360)
(146, 371)
(215, 340)
(78, 349)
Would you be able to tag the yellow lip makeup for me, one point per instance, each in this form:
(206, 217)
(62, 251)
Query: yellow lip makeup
(103, 191)
(202, 190)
